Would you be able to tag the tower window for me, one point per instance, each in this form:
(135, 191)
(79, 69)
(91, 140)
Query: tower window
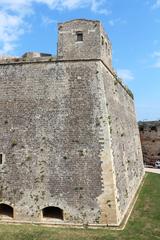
(79, 36)
(106, 46)
(1, 158)
(102, 38)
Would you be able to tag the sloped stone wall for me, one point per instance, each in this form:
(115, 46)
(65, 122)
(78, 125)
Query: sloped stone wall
(128, 167)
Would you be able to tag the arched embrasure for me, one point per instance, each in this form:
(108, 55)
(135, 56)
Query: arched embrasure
(6, 211)
(52, 212)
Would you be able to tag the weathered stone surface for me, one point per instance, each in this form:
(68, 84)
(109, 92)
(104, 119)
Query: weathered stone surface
(68, 133)
(150, 139)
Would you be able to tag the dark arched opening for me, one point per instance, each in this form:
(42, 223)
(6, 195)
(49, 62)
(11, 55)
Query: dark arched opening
(6, 211)
(52, 212)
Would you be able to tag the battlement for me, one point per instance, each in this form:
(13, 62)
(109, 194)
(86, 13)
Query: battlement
(20, 60)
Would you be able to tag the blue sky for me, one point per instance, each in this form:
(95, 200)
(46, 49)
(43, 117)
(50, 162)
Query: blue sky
(133, 28)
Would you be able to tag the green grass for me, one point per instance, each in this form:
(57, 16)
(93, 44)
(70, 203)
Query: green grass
(144, 223)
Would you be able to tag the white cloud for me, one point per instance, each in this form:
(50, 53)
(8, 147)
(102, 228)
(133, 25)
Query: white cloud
(125, 74)
(98, 7)
(10, 31)
(156, 56)
(156, 4)
(47, 21)
(13, 15)
(157, 64)
(116, 21)
(95, 5)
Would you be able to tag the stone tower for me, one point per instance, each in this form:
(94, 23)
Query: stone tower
(83, 39)
(70, 148)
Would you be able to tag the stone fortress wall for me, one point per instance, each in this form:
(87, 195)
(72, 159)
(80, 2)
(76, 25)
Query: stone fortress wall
(70, 147)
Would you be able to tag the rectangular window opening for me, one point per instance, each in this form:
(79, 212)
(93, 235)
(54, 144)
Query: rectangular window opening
(1, 158)
(102, 38)
(154, 128)
(79, 36)
(106, 46)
